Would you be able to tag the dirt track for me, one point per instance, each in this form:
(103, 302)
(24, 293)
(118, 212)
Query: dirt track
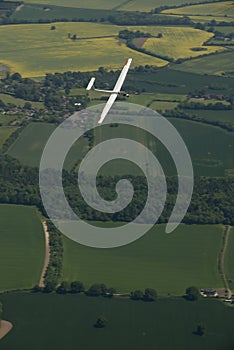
(47, 254)
(5, 328)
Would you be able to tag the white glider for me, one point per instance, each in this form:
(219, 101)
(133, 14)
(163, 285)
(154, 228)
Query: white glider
(113, 93)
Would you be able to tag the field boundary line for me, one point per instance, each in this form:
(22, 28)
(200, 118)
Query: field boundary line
(47, 254)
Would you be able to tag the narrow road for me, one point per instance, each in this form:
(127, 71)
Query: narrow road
(222, 260)
(47, 254)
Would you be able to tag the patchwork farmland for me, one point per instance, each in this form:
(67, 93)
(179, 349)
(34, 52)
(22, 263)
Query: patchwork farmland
(182, 68)
(90, 50)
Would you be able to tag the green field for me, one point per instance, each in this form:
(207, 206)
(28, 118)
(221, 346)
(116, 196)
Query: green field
(215, 64)
(5, 132)
(207, 144)
(22, 247)
(6, 119)
(224, 29)
(163, 105)
(39, 13)
(209, 157)
(31, 141)
(19, 101)
(222, 116)
(167, 263)
(66, 321)
(178, 42)
(207, 19)
(224, 8)
(131, 5)
(29, 146)
(40, 50)
(229, 260)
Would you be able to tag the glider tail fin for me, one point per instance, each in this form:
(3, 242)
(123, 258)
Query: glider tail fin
(90, 84)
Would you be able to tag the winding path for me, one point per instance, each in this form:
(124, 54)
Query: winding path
(47, 254)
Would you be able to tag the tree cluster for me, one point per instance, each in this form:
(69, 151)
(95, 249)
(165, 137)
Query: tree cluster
(146, 18)
(149, 294)
(54, 270)
(218, 106)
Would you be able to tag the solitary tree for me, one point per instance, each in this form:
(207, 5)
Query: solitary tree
(192, 293)
(101, 322)
(200, 329)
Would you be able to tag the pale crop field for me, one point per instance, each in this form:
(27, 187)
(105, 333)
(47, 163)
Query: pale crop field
(178, 42)
(225, 8)
(34, 50)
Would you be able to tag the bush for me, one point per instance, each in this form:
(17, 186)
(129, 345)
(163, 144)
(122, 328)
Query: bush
(192, 293)
(150, 294)
(101, 322)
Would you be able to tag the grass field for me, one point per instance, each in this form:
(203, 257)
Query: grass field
(209, 157)
(22, 247)
(31, 141)
(6, 119)
(5, 132)
(64, 320)
(207, 19)
(38, 13)
(163, 105)
(222, 116)
(218, 9)
(167, 263)
(178, 42)
(131, 5)
(214, 145)
(19, 101)
(224, 29)
(229, 260)
(42, 50)
(29, 146)
(215, 64)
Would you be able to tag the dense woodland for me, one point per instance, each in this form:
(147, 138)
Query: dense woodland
(212, 201)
